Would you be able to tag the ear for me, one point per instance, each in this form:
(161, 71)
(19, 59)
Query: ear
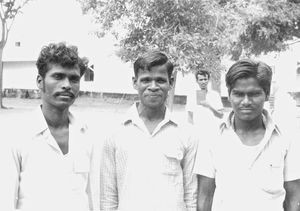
(267, 97)
(172, 82)
(134, 81)
(39, 82)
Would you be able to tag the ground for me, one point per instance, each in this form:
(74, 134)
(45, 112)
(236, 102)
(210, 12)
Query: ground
(97, 112)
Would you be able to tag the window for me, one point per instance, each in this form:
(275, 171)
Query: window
(89, 74)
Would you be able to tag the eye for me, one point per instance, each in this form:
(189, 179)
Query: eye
(74, 79)
(145, 80)
(161, 80)
(254, 94)
(58, 76)
(238, 94)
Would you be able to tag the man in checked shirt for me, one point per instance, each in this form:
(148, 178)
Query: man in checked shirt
(147, 162)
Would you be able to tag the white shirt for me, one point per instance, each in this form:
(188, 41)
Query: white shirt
(45, 178)
(249, 177)
(203, 114)
(143, 171)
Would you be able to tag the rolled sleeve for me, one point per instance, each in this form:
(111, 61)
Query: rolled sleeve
(9, 179)
(292, 167)
(204, 164)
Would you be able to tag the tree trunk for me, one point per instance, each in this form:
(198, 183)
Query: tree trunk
(1, 79)
(172, 93)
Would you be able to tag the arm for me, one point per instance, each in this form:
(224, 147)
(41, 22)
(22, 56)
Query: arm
(217, 112)
(108, 178)
(190, 117)
(292, 172)
(292, 198)
(189, 179)
(9, 179)
(206, 189)
(190, 104)
(214, 103)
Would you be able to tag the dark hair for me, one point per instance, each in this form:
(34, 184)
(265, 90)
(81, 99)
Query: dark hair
(247, 68)
(202, 72)
(59, 54)
(151, 59)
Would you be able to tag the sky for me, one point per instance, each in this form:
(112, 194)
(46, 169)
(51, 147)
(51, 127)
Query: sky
(44, 21)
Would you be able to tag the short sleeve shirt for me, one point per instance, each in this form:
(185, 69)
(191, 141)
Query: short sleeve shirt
(249, 178)
(201, 113)
(45, 177)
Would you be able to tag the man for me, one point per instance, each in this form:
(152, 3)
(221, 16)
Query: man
(203, 104)
(147, 162)
(254, 165)
(51, 152)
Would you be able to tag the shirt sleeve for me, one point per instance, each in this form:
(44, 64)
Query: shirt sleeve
(189, 179)
(190, 101)
(216, 101)
(292, 167)
(9, 179)
(94, 176)
(204, 164)
(108, 177)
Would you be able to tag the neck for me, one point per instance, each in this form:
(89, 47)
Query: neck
(249, 126)
(55, 118)
(151, 113)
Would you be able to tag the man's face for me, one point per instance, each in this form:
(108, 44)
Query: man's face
(60, 87)
(153, 86)
(202, 81)
(247, 99)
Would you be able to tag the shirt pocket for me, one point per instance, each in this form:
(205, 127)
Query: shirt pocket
(81, 170)
(270, 175)
(172, 162)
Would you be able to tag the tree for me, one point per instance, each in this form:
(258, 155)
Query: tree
(197, 33)
(182, 29)
(260, 26)
(8, 11)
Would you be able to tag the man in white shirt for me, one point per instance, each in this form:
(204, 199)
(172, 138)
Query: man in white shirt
(51, 154)
(203, 104)
(147, 162)
(253, 165)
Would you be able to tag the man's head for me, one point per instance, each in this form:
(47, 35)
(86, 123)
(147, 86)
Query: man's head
(248, 84)
(59, 72)
(153, 78)
(202, 78)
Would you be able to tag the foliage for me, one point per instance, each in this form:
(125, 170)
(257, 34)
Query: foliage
(197, 33)
(262, 26)
(9, 9)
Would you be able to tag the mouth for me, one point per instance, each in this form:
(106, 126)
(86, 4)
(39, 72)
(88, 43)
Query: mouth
(65, 94)
(246, 110)
(154, 95)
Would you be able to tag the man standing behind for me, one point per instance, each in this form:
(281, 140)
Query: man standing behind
(147, 163)
(50, 151)
(203, 104)
(255, 164)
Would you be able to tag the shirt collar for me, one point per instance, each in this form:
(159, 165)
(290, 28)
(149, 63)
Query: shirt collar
(39, 121)
(227, 122)
(132, 116)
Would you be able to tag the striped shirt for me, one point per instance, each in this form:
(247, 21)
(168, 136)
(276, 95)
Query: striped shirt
(143, 171)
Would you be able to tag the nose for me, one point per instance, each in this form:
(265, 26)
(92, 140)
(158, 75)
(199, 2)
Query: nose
(66, 84)
(153, 86)
(246, 100)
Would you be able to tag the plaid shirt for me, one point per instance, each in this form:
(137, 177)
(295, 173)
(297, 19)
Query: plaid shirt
(143, 171)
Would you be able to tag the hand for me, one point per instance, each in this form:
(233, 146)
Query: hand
(204, 103)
